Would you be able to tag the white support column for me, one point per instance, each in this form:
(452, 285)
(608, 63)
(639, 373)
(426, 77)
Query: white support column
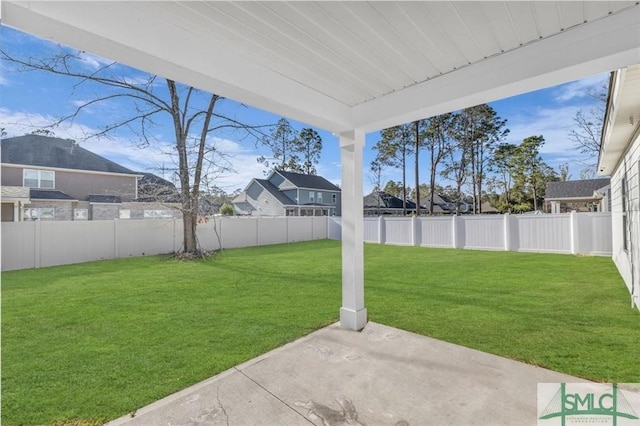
(16, 211)
(353, 314)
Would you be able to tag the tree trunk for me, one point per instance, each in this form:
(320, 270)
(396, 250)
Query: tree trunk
(189, 223)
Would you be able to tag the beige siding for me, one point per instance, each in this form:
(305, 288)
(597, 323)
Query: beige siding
(80, 184)
(7, 212)
(11, 176)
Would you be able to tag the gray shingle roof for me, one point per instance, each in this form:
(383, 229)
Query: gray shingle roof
(308, 181)
(49, 194)
(386, 201)
(273, 190)
(575, 188)
(45, 151)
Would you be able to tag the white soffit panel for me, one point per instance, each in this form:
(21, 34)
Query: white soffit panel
(338, 65)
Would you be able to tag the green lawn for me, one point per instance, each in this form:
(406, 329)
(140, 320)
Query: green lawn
(97, 340)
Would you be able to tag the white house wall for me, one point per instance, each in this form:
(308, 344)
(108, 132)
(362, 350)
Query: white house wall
(623, 259)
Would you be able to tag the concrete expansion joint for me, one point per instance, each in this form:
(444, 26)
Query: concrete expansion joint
(272, 394)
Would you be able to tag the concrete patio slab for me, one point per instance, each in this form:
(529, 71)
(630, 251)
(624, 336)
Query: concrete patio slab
(380, 376)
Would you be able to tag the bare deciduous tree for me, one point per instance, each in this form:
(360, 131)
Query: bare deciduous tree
(586, 133)
(149, 101)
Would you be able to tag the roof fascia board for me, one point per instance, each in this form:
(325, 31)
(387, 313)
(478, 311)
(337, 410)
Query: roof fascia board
(607, 157)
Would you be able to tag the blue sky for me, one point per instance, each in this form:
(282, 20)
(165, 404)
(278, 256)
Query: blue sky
(29, 100)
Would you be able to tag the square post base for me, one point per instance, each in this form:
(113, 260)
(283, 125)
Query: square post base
(353, 320)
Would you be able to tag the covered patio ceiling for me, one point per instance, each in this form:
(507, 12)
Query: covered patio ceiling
(349, 67)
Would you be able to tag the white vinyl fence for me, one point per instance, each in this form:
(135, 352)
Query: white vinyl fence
(42, 243)
(570, 233)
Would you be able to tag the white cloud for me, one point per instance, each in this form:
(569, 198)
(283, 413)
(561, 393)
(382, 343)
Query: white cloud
(79, 102)
(552, 123)
(92, 61)
(17, 123)
(580, 88)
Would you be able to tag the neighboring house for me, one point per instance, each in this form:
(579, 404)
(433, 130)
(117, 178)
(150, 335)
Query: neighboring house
(443, 205)
(382, 203)
(289, 194)
(152, 188)
(620, 159)
(46, 178)
(591, 195)
(485, 207)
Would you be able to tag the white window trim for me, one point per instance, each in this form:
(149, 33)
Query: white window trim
(39, 172)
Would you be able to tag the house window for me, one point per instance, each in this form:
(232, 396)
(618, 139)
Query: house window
(311, 197)
(38, 178)
(124, 214)
(319, 197)
(333, 198)
(80, 214)
(41, 213)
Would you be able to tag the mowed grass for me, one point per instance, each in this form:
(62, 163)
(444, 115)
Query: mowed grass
(95, 341)
(98, 340)
(566, 313)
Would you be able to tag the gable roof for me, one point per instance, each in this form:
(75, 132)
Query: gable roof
(575, 188)
(307, 181)
(273, 190)
(45, 151)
